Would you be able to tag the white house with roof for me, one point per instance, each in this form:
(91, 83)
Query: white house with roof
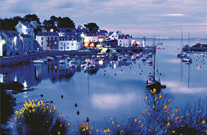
(25, 28)
(69, 43)
(124, 40)
(113, 35)
(48, 40)
(11, 43)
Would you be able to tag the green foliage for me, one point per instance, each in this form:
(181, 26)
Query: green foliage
(93, 27)
(39, 118)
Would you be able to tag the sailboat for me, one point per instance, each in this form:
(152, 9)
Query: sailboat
(181, 54)
(152, 83)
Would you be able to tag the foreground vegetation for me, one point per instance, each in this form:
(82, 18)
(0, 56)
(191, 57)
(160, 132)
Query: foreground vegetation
(39, 117)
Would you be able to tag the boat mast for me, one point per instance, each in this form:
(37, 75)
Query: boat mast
(154, 64)
(181, 42)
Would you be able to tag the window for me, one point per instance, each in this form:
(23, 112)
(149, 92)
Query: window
(67, 47)
(42, 38)
(71, 44)
(61, 47)
(42, 43)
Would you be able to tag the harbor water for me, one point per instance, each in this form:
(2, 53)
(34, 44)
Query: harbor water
(117, 86)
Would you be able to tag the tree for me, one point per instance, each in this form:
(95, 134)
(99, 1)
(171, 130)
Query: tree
(31, 17)
(65, 22)
(93, 27)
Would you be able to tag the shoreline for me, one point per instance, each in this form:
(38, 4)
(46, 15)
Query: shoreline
(26, 58)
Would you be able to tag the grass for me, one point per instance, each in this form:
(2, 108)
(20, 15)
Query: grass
(38, 117)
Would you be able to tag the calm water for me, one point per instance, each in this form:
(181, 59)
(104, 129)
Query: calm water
(117, 89)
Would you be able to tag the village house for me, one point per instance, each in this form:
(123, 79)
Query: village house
(124, 40)
(25, 28)
(48, 40)
(69, 43)
(11, 43)
(113, 35)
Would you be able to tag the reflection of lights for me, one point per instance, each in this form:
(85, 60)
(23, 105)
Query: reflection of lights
(25, 84)
(55, 67)
(15, 39)
(100, 62)
(15, 78)
(55, 42)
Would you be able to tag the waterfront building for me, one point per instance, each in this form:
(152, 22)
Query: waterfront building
(124, 40)
(25, 28)
(27, 42)
(35, 24)
(69, 43)
(11, 43)
(48, 40)
(113, 35)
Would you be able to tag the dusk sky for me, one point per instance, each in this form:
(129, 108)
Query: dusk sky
(139, 18)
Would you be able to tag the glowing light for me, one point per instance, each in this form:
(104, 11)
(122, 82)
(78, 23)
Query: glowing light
(15, 39)
(25, 84)
(15, 78)
(55, 67)
(100, 39)
(51, 30)
(82, 35)
(3, 41)
(100, 62)
(55, 42)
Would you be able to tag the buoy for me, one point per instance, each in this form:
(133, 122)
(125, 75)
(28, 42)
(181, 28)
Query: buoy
(78, 112)
(41, 95)
(51, 101)
(115, 74)
(87, 119)
(61, 96)
(104, 74)
(76, 105)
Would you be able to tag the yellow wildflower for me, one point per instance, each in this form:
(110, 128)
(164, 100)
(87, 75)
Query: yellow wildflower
(169, 100)
(139, 121)
(168, 124)
(112, 122)
(146, 97)
(176, 110)
(149, 130)
(135, 120)
(97, 130)
(90, 132)
(156, 99)
(154, 90)
(203, 122)
(118, 125)
(165, 107)
(160, 96)
(84, 130)
(173, 131)
(153, 106)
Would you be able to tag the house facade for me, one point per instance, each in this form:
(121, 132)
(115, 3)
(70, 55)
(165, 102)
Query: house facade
(68, 44)
(48, 40)
(114, 35)
(124, 40)
(25, 28)
(11, 43)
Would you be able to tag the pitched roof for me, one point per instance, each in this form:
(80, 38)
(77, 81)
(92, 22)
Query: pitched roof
(47, 33)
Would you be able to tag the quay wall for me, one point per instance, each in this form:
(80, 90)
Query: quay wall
(26, 58)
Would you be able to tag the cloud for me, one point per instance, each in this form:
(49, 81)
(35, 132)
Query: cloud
(173, 15)
(112, 101)
(146, 17)
(178, 88)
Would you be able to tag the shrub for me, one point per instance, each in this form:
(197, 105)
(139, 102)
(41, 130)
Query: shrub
(39, 118)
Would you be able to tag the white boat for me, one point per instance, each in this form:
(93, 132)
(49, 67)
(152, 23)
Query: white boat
(187, 59)
(38, 61)
(149, 62)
